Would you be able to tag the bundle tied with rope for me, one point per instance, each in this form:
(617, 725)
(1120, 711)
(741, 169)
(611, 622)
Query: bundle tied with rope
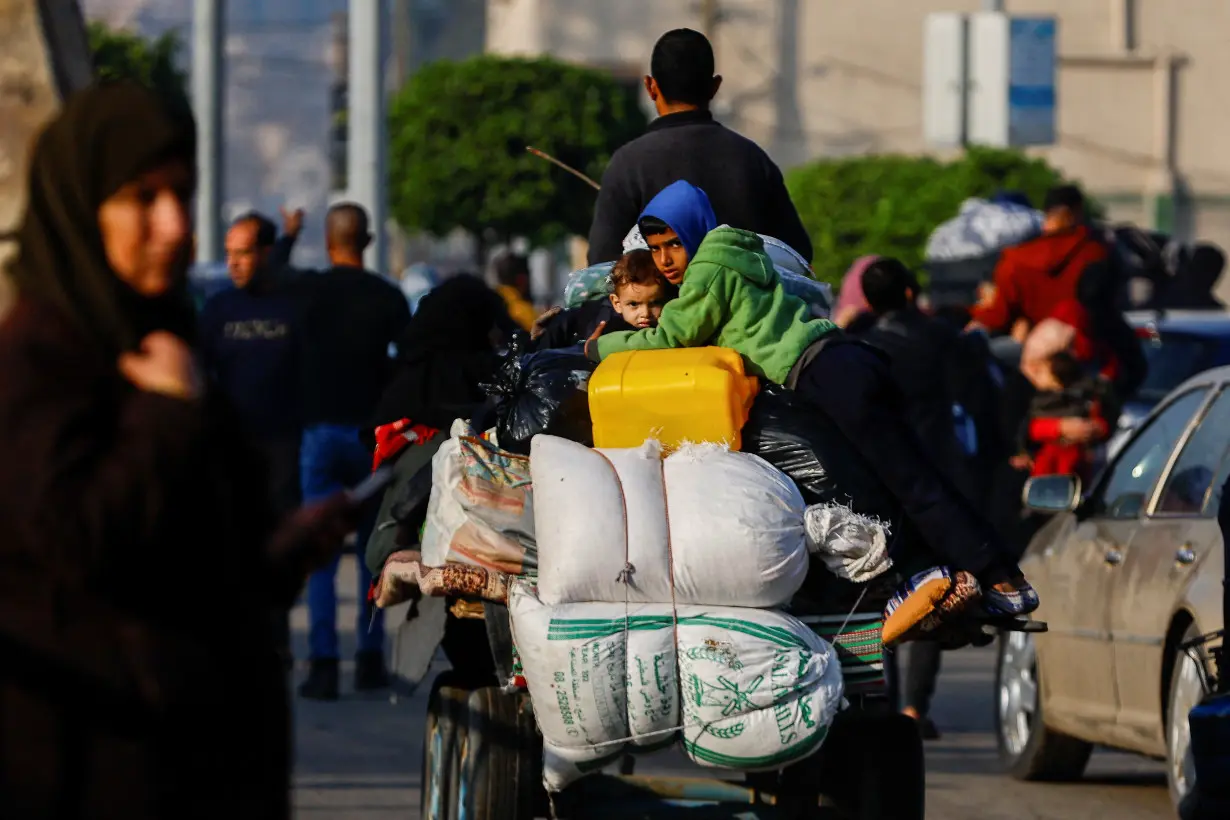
(650, 623)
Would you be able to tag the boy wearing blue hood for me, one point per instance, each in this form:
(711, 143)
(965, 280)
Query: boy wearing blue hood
(730, 296)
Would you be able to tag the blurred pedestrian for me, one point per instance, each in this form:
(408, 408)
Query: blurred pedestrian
(685, 142)
(1032, 278)
(248, 346)
(512, 276)
(136, 569)
(350, 317)
(852, 311)
(930, 361)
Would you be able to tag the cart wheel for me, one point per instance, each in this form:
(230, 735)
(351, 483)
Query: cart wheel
(443, 738)
(873, 767)
(501, 758)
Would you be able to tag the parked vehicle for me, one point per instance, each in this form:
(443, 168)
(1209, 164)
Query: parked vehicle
(1127, 574)
(1177, 345)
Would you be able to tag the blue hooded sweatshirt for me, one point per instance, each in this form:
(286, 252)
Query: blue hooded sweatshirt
(686, 209)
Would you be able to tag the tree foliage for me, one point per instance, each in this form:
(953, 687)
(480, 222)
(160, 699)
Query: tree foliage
(124, 55)
(457, 138)
(889, 205)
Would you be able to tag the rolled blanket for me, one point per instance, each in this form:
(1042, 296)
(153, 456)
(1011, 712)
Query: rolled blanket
(405, 576)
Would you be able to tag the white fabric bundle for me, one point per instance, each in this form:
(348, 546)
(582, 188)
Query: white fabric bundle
(481, 510)
(852, 546)
(703, 526)
(982, 227)
(742, 689)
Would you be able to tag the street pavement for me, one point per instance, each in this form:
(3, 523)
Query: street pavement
(359, 758)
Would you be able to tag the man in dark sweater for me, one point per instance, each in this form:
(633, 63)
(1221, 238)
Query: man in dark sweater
(350, 317)
(744, 186)
(248, 349)
(933, 364)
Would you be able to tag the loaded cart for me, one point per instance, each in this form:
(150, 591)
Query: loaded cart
(482, 753)
(722, 599)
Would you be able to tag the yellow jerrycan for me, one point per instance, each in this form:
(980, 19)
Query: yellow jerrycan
(690, 394)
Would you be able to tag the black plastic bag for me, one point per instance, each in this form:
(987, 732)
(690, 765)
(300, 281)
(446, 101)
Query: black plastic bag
(805, 444)
(545, 392)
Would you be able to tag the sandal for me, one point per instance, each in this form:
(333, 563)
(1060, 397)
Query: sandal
(1021, 601)
(925, 602)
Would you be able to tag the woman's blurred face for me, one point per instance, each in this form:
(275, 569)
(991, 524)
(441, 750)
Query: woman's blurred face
(146, 229)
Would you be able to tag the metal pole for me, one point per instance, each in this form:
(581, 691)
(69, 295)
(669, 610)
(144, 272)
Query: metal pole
(366, 154)
(710, 18)
(993, 5)
(208, 31)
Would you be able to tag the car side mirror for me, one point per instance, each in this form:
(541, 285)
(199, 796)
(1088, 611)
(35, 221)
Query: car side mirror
(1052, 493)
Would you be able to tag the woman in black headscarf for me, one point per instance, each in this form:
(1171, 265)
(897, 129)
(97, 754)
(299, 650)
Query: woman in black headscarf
(139, 677)
(446, 352)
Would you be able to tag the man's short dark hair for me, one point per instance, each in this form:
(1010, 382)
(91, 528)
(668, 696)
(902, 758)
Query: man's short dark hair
(511, 268)
(266, 231)
(1064, 196)
(886, 285)
(682, 65)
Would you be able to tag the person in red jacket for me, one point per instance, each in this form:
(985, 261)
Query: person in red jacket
(1033, 278)
(1065, 419)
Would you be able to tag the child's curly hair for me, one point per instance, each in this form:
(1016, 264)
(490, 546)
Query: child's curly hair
(636, 267)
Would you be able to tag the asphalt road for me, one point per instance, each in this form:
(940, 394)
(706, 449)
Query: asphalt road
(359, 758)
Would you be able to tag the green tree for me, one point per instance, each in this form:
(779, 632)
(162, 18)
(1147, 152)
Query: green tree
(889, 205)
(458, 133)
(120, 54)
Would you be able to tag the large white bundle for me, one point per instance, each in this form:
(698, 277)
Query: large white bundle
(744, 689)
(703, 526)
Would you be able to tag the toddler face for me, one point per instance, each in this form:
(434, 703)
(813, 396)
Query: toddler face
(639, 305)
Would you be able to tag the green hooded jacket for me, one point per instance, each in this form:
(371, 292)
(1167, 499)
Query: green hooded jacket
(731, 297)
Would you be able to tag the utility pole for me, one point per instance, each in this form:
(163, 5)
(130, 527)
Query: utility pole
(404, 56)
(339, 128)
(366, 143)
(403, 40)
(208, 31)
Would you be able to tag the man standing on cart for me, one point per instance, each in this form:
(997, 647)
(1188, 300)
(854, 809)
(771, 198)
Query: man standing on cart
(744, 186)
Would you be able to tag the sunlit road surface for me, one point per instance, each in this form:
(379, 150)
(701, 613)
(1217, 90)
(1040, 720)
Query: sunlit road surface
(359, 758)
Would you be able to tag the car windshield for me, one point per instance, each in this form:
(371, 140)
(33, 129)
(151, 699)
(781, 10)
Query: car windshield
(1173, 358)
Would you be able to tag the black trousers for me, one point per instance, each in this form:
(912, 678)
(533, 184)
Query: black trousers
(853, 386)
(922, 667)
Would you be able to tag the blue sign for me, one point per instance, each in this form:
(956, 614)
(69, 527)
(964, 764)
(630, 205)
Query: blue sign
(1031, 81)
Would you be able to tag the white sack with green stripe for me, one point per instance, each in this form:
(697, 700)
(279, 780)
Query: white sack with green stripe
(743, 689)
(703, 526)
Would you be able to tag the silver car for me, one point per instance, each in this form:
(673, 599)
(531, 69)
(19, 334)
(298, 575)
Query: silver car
(1126, 573)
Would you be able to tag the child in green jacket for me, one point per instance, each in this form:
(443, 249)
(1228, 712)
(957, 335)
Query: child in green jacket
(731, 297)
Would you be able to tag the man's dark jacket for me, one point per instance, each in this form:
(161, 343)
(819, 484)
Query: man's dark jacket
(931, 364)
(744, 186)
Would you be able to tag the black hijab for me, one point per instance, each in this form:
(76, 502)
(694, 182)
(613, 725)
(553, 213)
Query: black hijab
(445, 354)
(104, 137)
(458, 315)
